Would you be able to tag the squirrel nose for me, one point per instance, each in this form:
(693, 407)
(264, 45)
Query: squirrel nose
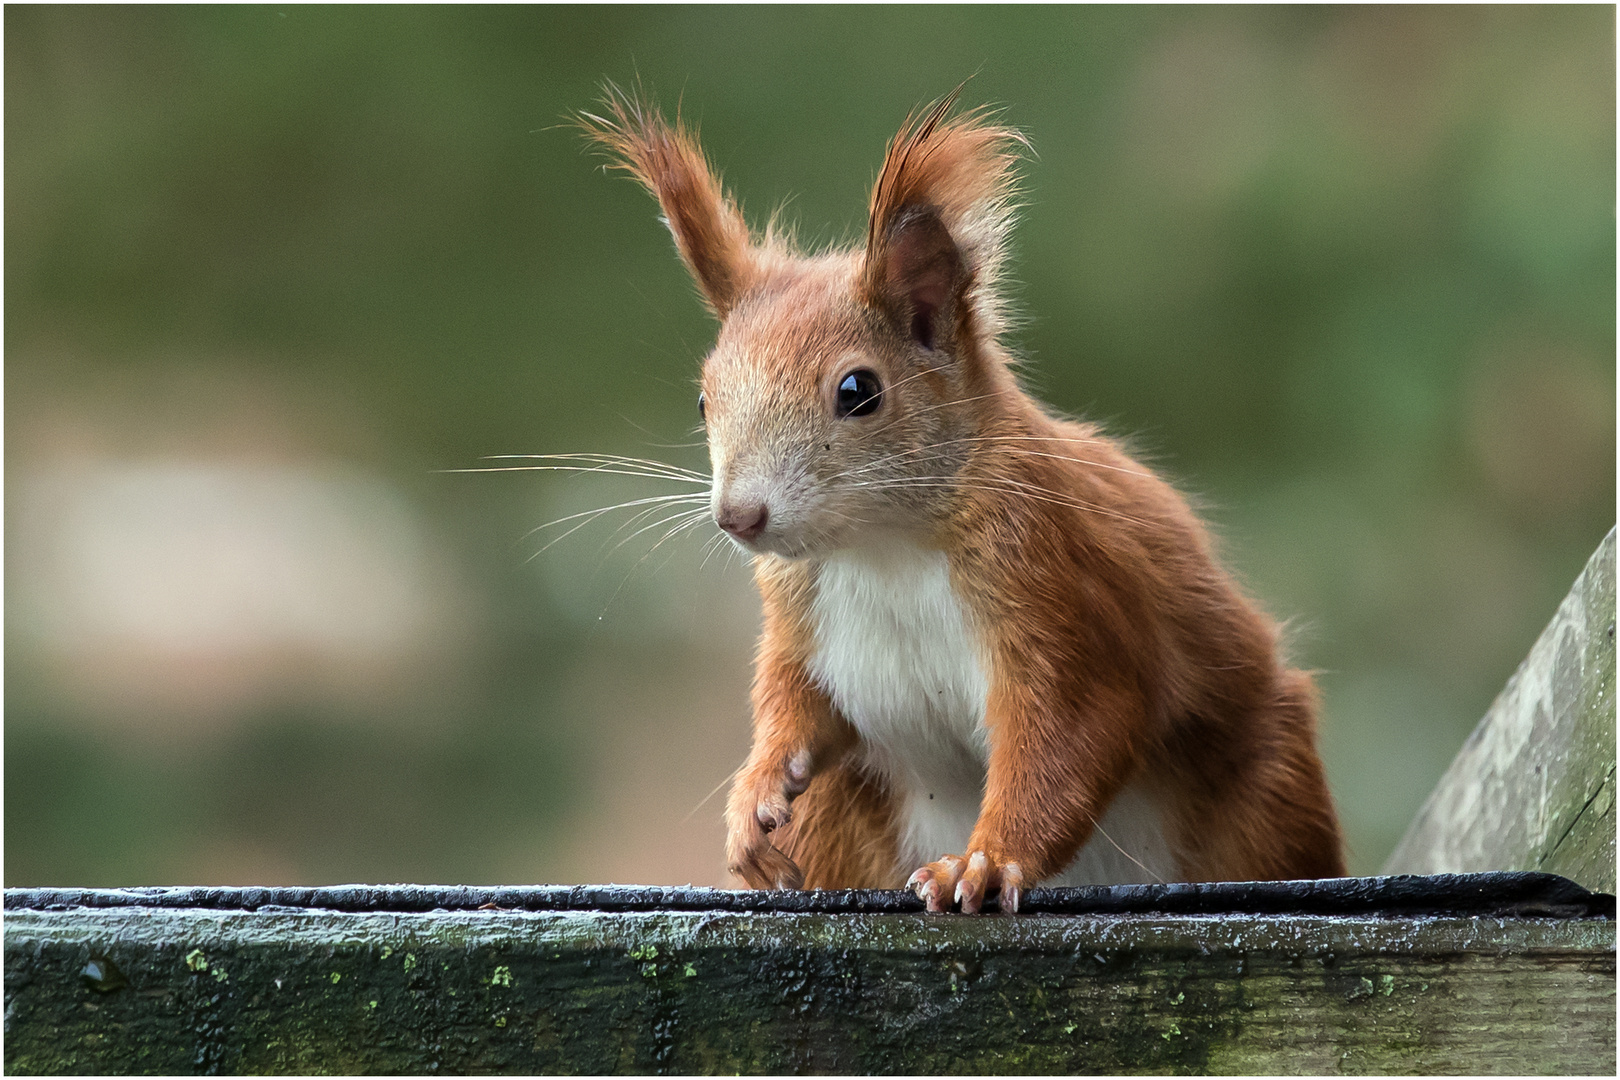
(743, 522)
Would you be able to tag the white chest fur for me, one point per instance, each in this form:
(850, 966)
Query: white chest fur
(897, 652)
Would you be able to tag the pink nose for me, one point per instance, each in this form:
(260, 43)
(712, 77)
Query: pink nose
(743, 522)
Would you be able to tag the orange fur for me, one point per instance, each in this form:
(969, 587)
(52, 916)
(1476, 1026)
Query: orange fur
(1115, 650)
(708, 227)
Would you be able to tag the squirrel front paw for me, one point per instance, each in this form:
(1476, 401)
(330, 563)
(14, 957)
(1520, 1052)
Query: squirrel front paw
(757, 809)
(955, 879)
(761, 865)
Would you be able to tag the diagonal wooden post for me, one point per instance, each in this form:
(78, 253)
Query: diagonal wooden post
(1533, 787)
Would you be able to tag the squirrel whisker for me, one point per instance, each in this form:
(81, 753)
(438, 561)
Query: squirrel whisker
(1008, 486)
(612, 459)
(591, 515)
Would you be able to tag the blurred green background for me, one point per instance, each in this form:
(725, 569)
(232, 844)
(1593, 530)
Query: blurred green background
(1348, 274)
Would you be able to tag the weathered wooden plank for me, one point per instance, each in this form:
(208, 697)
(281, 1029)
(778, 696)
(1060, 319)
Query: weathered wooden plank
(1533, 788)
(164, 990)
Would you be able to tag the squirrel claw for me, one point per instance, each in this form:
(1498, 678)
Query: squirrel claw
(933, 883)
(928, 890)
(967, 882)
(773, 813)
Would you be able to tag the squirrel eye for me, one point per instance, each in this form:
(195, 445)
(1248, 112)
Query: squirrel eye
(859, 394)
(702, 414)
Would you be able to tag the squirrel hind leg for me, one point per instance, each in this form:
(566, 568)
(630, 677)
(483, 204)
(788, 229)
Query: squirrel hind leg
(1272, 817)
(843, 834)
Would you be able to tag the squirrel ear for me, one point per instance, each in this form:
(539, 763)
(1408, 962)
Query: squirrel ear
(937, 230)
(917, 275)
(709, 229)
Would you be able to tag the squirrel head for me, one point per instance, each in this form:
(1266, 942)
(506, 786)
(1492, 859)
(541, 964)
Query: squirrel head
(846, 389)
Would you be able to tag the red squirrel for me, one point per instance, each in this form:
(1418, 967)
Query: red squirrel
(997, 650)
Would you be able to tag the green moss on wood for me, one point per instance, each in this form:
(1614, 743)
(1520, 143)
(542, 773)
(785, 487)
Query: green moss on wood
(706, 993)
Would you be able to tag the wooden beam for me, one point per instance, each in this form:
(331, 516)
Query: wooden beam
(1533, 787)
(1521, 980)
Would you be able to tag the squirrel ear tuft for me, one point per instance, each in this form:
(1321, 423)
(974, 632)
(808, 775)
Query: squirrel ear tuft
(940, 216)
(709, 229)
